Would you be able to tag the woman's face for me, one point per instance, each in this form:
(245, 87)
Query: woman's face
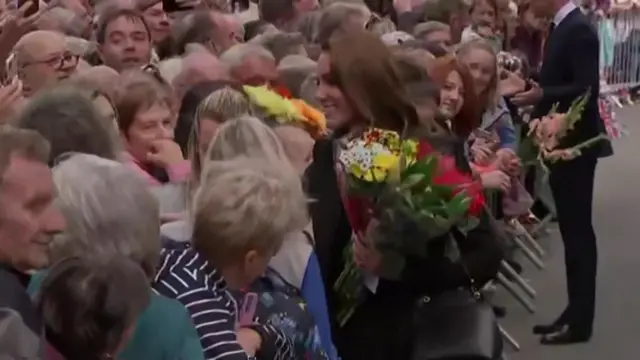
(531, 21)
(452, 95)
(333, 101)
(106, 110)
(440, 38)
(483, 14)
(150, 124)
(482, 66)
(207, 130)
(298, 145)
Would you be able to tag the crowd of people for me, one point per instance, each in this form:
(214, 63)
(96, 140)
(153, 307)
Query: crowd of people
(169, 181)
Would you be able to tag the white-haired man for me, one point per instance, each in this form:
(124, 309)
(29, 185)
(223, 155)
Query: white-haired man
(251, 64)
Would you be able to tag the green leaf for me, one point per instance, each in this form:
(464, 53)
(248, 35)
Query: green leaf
(528, 151)
(458, 206)
(411, 181)
(426, 167)
(468, 224)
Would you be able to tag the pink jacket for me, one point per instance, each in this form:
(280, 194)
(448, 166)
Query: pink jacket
(177, 173)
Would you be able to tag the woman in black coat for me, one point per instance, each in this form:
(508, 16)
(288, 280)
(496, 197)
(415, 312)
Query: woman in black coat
(361, 87)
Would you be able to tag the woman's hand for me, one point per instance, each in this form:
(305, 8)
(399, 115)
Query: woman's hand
(495, 180)
(250, 340)
(508, 161)
(165, 153)
(365, 254)
(481, 153)
(10, 96)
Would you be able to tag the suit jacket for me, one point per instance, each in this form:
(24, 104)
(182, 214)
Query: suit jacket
(570, 68)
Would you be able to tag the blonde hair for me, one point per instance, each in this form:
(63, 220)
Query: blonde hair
(247, 204)
(248, 137)
(382, 25)
(222, 104)
(490, 99)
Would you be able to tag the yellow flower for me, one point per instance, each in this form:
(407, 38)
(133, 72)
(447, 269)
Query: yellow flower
(385, 161)
(272, 103)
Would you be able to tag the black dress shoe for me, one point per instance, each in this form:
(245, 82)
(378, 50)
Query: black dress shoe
(547, 329)
(565, 336)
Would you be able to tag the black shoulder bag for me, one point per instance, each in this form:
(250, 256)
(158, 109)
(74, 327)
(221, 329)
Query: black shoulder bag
(456, 325)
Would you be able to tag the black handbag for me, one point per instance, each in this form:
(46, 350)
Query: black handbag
(456, 325)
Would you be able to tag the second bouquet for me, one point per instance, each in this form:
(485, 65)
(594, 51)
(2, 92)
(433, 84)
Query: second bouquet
(410, 194)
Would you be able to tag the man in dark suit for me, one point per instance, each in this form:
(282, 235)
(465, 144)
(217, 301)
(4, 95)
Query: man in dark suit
(570, 68)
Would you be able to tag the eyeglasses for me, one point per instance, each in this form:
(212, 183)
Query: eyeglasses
(57, 62)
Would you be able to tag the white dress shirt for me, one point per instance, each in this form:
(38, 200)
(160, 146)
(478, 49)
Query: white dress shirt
(563, 12)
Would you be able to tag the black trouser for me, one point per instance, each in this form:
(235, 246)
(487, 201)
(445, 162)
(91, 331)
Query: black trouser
(572, 185)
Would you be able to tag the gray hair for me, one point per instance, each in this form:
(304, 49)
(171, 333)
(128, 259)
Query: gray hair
(67, 118)
(423, 29)
(293, 70)
(171, 68)
(280, 43)
(235, 55)
(109, 210)
(335, 15)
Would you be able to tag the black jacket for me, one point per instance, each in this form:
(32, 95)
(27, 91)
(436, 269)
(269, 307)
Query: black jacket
(570, 68)
(480, 249)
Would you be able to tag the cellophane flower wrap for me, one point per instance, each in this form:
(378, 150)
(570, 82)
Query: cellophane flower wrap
(543, 143)
(412, 194)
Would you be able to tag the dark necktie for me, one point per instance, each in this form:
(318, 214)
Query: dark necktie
(552, 26)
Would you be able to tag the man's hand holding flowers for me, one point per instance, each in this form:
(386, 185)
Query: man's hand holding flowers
(546, 133)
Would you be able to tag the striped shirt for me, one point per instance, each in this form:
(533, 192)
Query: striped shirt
(186, 276)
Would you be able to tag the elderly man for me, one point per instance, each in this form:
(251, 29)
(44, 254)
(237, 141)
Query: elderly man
(198, 67)
(28, 222)
(251, 64)
(43, 58)
(124, 39)
(216, 31)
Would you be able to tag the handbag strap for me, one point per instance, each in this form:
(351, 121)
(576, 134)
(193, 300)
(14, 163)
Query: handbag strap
(473, 289)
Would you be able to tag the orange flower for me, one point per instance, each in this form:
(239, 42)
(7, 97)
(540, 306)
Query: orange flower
(311, 116)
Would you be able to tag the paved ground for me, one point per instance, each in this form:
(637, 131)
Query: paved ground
(616, 219)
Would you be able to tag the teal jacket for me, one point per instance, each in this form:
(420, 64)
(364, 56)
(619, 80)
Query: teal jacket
(164, 330)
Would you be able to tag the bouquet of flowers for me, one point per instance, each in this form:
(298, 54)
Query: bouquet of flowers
(542, 143)
(412, 194)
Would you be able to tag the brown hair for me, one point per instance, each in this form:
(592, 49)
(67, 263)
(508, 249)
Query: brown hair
(469, 116)
(368, 74)
(88, 304)
(496, 9)
(139, 91)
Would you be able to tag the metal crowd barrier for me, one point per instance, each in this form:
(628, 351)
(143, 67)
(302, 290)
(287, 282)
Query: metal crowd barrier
(619, 35)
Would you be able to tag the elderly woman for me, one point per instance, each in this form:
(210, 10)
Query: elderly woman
(146, 120)
(109, 212)
(79, 293)
(294, 271)
(242, 212)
